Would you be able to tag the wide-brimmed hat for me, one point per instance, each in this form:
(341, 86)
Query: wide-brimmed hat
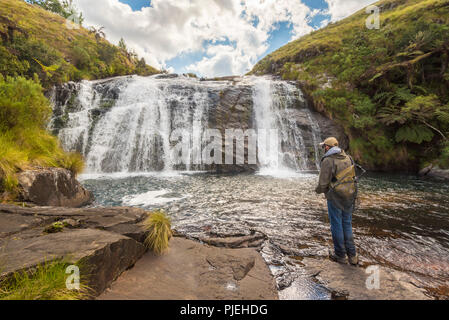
(331, 142)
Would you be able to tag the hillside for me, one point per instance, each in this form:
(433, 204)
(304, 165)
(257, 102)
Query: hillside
(38, 50)
(34, 40)
(388, 88)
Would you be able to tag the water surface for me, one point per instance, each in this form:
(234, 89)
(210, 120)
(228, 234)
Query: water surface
(402, 222)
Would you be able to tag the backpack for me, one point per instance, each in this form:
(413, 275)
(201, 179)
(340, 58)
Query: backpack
(345, 185)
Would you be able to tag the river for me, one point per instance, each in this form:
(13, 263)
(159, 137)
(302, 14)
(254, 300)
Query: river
(402, 222)
(126, 124)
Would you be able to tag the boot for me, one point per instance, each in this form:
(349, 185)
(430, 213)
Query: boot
(353, 260)
(336, 258)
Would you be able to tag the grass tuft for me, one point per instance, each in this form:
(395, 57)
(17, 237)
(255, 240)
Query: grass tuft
(46, 282)
(72, 161)
(159, 226)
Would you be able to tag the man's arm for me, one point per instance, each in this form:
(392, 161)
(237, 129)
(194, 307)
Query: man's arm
(325, 176)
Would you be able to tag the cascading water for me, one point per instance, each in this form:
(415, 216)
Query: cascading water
(125, 124)
(276, 107)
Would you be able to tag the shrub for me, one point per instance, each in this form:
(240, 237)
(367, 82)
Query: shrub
(24, 142)
(159, 227)
(22, 104)
(81, 57)
(46, 282)
(10, 65)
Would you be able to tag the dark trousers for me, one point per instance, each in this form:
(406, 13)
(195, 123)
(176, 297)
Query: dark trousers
(341, 227)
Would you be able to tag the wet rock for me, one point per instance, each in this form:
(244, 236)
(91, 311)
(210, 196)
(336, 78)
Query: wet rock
(53, 187)
(250, 241)
(348, 282)
(193, 271)
(167, 76)
(330, 128)
(435, 173)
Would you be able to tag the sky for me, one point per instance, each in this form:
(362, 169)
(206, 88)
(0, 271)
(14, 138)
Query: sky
(211, 38)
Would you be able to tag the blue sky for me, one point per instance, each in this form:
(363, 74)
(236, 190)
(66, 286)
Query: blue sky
(211, 37)
(280, 36)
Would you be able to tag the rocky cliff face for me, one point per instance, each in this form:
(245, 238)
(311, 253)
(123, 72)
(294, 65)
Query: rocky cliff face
(127, 123)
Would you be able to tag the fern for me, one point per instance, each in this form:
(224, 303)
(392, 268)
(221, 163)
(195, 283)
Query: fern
(442, 114)
(415, 134)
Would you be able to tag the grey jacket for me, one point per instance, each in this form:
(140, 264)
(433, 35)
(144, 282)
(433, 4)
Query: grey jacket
(333, 162)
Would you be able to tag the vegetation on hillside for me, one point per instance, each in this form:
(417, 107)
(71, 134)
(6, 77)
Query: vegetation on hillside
(37, 41)
(388, 87)
(65, 8)
(24, 141)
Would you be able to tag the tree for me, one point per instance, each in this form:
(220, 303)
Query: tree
(99, 33)
(64, 8)
(122, 45)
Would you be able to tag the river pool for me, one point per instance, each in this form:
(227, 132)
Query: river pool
(402, 222)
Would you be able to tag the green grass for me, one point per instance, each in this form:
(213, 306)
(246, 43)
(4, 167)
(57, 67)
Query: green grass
(158, 225)
(389, 88)
(24, 141)
(46, 282)
(59, 54)
(72, 161)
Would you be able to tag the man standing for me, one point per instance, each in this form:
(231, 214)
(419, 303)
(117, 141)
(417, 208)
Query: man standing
(337, 182)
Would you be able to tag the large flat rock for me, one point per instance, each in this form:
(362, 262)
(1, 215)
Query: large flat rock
(104, 242)
(125, 221)
(348, 282)
(192, 271)
(101, 255)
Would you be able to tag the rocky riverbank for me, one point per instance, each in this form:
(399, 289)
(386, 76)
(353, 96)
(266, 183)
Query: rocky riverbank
(108, 244)
(105, 242)
(193, 271)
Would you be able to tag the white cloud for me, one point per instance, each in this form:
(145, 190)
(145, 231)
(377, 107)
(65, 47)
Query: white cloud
(339, 9)
(232, 34)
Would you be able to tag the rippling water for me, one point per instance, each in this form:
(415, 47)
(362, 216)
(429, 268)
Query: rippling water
(402, 222)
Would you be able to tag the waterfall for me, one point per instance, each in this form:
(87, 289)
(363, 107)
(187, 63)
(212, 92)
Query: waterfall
(276, 107)
(127, 124)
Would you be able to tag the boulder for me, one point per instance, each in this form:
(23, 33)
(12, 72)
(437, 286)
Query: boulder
(53, 187)
(103, 242)
(435, 173)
